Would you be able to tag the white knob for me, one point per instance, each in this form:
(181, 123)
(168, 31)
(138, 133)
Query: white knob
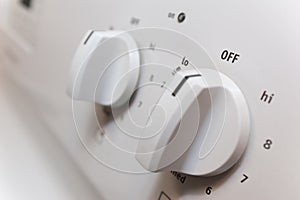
(200, 126)
(105, 69)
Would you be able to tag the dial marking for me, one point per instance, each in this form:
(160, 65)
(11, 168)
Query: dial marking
(88, 37)
(245, 178)
(182, 83)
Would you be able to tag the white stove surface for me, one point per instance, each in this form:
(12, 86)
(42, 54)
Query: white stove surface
(33, 164)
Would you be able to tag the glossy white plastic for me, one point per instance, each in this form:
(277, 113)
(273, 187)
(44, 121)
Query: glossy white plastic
(102, 60)
(200, 126)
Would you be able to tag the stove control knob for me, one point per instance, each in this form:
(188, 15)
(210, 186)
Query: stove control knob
(200, 126)
(105, 68)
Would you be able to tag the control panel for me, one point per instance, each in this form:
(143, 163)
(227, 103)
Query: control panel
(170, 100)
(182, 117)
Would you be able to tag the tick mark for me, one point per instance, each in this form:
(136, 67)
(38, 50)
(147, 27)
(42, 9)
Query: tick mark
(192, 76)
(88, 37)
(179, 86)
(182, 83)
(245, 178)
